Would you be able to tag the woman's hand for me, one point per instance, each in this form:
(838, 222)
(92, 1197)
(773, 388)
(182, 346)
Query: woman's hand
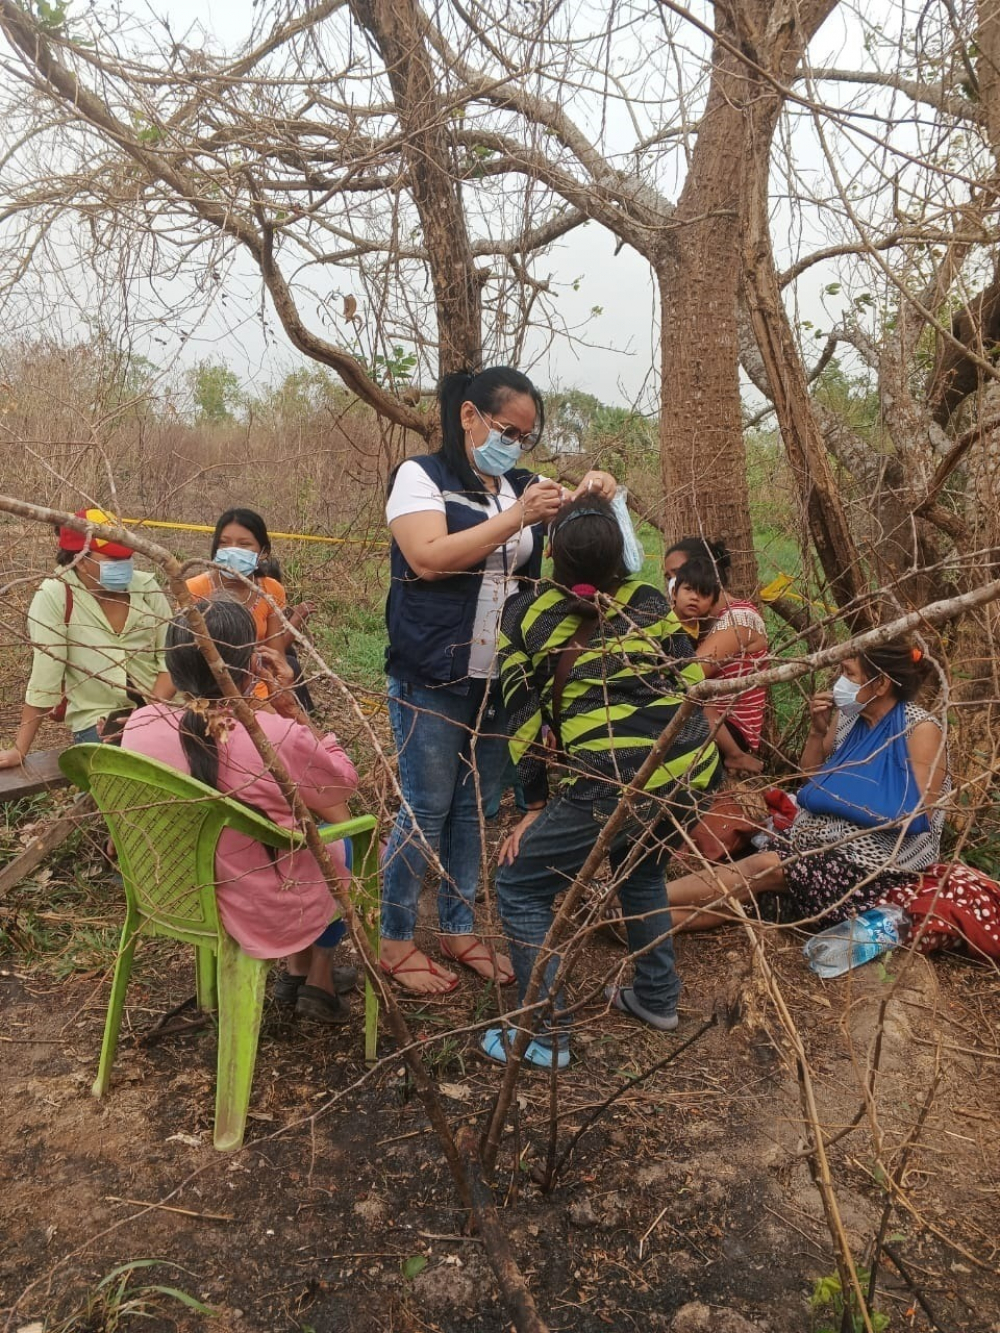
(596, 482)
(273, 669)
(511, 845)
(820, 713)
(11, 758)
(301, 612)
(541, 500)
(822, 736)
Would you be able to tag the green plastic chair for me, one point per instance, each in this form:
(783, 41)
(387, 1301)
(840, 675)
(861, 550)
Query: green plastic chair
(165, 826)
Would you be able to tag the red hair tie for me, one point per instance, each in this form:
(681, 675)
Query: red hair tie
(583, 590)
(916, 654)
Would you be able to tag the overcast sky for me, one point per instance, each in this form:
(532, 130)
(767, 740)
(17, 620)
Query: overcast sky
(603, 293)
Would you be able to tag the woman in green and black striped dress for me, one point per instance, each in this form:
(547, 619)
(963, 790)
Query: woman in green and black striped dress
(626, 661)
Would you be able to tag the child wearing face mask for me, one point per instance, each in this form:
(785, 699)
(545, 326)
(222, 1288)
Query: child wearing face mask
(97, 631)
(244, 570)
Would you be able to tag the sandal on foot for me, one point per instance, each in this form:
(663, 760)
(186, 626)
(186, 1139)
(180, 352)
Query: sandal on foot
(398, 970)
(464, 959)
(287, 985)
(623, 998)
(321, 1006)
(495, 1047)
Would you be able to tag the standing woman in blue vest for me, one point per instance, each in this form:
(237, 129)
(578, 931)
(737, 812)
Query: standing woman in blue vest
(466, 526)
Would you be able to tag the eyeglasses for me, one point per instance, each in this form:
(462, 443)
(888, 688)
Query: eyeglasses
(526, 439)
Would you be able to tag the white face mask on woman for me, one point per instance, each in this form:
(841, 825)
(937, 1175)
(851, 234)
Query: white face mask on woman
(845, 696)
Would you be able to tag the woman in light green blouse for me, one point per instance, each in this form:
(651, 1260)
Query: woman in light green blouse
(97, 629)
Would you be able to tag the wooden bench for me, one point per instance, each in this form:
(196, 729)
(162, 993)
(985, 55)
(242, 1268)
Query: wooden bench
(39, 772)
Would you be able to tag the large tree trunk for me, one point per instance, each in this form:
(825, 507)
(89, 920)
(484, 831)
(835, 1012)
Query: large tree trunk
(699, 272)
(702, 455)
(423, 121)
(800, 428)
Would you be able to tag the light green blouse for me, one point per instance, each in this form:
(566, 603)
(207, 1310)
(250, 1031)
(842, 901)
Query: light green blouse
(86, 660)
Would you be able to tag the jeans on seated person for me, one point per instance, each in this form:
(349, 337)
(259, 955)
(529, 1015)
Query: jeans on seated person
(337, 928)
(552, 854)
(433, 730)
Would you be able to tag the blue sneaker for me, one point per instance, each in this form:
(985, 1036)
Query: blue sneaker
(494, 1046)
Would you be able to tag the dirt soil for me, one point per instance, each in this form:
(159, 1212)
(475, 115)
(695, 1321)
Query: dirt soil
(339, 1214)
(693, 1186)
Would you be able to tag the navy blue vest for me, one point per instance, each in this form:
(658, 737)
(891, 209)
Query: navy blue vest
(430, 621)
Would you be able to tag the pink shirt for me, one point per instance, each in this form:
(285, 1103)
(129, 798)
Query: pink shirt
(269, 908)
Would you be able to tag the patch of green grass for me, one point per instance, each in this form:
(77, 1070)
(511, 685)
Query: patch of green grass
(115, 1303)
(777, 553)
(351, 637)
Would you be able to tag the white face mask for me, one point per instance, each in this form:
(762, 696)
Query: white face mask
(845, 697)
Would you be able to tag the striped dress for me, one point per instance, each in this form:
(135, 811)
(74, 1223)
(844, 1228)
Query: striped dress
(744, 712)
(621, 691)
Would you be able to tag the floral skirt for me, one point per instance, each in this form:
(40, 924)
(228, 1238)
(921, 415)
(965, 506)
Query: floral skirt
(828, 884)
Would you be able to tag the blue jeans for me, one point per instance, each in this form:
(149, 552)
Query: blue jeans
(434, 730)
(552, 853)
(90, 736)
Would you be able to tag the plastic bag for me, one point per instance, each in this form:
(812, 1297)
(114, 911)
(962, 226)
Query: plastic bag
(633, 556)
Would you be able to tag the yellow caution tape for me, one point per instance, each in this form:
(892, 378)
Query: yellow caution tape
(285, 536)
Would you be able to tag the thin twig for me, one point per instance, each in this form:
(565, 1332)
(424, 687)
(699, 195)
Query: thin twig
(918, 1295)
(627, 1087)
(171, 1208)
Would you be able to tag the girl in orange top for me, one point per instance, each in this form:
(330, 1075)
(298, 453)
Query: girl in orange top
(241, 550)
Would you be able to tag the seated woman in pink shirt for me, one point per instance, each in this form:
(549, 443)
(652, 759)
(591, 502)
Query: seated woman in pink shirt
(273, 904)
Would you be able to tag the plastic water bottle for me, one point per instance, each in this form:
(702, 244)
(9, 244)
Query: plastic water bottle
(848, 944)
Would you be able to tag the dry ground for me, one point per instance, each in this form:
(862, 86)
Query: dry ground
(692, 1186)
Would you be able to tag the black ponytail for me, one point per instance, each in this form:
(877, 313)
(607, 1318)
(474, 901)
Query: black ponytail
(232, 629)
(487, 391)
(700, 548)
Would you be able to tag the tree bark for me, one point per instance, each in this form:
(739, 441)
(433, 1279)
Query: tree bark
(758, 44)
(426, 148)
(702, 454)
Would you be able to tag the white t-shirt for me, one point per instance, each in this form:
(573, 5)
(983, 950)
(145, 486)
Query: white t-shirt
(414, 492)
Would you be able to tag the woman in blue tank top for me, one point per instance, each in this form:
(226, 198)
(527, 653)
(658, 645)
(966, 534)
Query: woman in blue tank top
(870, 816)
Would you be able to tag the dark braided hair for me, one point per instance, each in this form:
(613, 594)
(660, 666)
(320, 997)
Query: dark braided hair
(234, 634)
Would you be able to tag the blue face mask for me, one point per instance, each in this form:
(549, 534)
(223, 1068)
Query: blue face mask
(495, 456)
(236, 559)
(116, 575)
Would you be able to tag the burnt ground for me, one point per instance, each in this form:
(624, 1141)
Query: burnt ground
(692, 1186)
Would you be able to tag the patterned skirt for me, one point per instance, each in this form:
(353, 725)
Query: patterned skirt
(827, 884)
